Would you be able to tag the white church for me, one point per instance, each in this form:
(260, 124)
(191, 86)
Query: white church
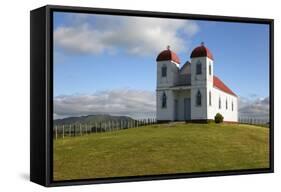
(192, 92)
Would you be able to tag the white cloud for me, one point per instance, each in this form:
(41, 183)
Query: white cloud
(114, 102)
(134, 35)
(256, 107)
(136, 103)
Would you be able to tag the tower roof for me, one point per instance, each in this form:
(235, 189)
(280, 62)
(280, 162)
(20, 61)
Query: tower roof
(168, 55)
(221, 86)
(201, 51)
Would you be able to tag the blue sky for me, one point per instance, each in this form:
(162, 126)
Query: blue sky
(94, 53)
(240, 52)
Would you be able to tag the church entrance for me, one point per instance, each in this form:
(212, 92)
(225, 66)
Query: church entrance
(187, 109)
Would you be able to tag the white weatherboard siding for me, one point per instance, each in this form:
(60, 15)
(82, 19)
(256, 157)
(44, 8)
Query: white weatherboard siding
(228, 114)
(172, 74)
(198, 112)
(165, 114)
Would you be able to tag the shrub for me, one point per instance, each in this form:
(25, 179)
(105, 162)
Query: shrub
(218, 118)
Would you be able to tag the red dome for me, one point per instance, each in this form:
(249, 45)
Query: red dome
(201, 51)
(168, 55)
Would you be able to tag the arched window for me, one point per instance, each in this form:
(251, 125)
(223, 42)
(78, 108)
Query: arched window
(198, 68)
(210, 69)
(232, 107)
(219, 103)
(164, 100)
(226, 104)
(198, 98)
(164, 71)
(210, 98)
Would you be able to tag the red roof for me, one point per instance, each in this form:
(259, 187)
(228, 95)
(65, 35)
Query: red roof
(220, 85)
(201, 51)
(168, 55)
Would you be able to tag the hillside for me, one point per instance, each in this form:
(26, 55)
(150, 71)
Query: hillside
(160, 149)
(89, 119)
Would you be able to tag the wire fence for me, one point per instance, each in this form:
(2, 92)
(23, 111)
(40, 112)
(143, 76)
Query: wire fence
(253, 120)
(79, 129)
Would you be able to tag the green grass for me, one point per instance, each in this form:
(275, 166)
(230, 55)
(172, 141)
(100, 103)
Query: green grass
(162, 149)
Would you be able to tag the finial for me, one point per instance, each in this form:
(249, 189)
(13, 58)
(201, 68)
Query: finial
(202, 43)
(168, 47)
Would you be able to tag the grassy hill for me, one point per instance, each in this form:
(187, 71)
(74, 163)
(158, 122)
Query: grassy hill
(89, 119)
(162, 149)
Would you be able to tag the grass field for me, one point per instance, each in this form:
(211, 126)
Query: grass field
(162, 149)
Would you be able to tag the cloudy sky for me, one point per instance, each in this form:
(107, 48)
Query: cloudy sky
(106, 64)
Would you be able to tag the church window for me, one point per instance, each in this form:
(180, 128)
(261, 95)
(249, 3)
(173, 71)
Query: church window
(226, 104)
(232, 107)
(164, 71)
(164, 101)
(198, 98)
(219, 103)
(210, 98)
(210, 69)
(198, 68)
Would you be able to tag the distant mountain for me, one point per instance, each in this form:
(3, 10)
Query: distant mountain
(89, 119)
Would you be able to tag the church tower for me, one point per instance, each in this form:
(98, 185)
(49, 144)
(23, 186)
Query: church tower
(167, 76)
(201, 82)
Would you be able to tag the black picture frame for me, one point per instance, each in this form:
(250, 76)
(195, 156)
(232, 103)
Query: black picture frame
(41, 81)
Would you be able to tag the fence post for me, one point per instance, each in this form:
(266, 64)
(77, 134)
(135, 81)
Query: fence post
(80, 130)
(74, 131)
(91, 128)
(63, 131)
(69, 130)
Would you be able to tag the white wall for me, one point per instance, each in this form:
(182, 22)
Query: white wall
(172, 74)
(163, 83)
(198, 112)
(166, 114)
(228, 114)
(185, 69)
(198, 83)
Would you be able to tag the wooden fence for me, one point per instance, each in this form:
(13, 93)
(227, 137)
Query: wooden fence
(79, 129)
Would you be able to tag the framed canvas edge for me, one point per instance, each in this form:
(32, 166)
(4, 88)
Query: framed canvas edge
(49, 88)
